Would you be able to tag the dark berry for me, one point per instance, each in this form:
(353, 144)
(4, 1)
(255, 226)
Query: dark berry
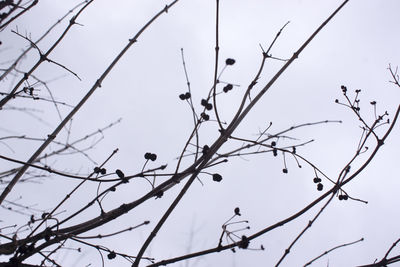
(150, 156)
(317, 180)
(237, 211)
(217, 177)
(153, 157)
(320, 187)
(244, 243)
(182, 96)
(285, 170)
(227, 88)
(204, 102)
(230, 61)
(103, 171)
(209, 106)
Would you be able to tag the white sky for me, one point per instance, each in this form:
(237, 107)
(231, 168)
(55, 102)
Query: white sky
(354, 49)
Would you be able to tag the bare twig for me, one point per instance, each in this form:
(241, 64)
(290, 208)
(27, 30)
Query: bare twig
(96, 85)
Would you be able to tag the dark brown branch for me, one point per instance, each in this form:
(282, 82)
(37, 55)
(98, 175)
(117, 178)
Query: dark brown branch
(214, 88)
(42, 58)
(96, 85)
(14, 64)
(224, 137)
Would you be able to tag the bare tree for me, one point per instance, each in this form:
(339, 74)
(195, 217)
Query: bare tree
(94, 201)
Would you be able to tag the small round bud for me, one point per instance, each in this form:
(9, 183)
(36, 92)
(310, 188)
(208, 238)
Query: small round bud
(244, 243)
(205, 116)
(111, 255)
(153, 157)
(227, 88)
(317, 180)
(237, 211)
(217, 177)
(320, 187)
(230, 61)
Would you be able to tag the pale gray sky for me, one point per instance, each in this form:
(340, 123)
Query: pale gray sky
(354, 49)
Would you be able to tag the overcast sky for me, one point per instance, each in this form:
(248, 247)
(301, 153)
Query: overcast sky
(355, 49)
